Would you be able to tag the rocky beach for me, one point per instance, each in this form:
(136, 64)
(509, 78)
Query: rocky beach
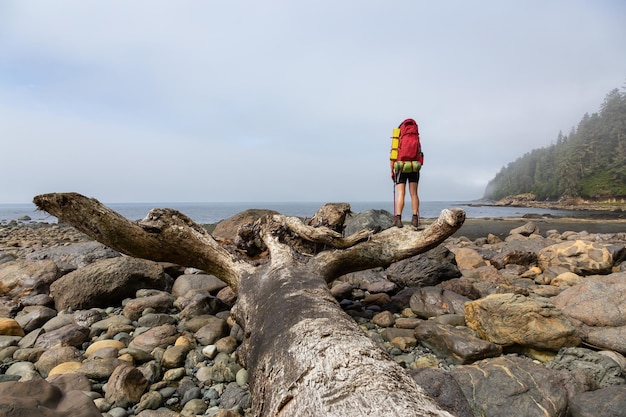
(509, 317)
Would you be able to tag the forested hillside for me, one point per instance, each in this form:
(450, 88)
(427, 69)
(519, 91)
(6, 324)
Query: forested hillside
(590, 162)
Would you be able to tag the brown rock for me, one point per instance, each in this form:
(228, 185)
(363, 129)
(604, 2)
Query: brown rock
(456, 345)
(55, 356)
(160, 336)
(508, 319)
(125, 386)
(581, 257)
(32, 317)
(467, 258)
(160, 302)
(433, 301)
(10, 327)
(22, 278)
(384, 319)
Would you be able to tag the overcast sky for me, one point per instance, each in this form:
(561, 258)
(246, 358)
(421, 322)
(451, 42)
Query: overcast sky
(219, 101)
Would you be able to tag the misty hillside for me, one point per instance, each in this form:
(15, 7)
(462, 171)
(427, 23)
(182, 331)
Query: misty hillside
(590, 162)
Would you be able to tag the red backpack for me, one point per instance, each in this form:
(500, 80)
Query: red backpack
(409, 147)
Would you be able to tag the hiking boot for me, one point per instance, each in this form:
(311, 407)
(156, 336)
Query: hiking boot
(397, 221)
(415, 220)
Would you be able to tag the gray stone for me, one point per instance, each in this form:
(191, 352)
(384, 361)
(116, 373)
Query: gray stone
(374, 220)
(106, 283)
(77, 255)
(511, 386)
(426, 269)
(592, 368)
(444, 389)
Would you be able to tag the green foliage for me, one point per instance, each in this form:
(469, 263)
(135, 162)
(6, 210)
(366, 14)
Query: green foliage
(590, 162)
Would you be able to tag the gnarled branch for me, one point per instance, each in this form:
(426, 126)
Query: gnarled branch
(163, 235)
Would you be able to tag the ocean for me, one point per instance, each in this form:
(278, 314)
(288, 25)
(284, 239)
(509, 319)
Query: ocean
(208, 213)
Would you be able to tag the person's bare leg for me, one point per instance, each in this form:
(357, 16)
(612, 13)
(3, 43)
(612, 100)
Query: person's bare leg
(401, 190)
(415, 203)
(415, 200)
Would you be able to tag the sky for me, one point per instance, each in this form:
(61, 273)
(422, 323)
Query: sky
(260, 101)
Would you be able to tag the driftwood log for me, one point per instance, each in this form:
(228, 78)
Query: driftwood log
(306, 357)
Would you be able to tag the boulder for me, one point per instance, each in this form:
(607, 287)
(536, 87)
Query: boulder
(525, 230)
(456, 345)
(512, 386)
(426, 269)
(605, 402)
(509, 319)
(374, 220)
(39, 398)
(468, 258)
(444, 389)
(372, 280)
(581, 257)
(592, 368)
(159, 301)
(228, 229)
(188, 282)
(22, 278)
(107, 282)
(596, 308)
(434, 301)
(71, 257)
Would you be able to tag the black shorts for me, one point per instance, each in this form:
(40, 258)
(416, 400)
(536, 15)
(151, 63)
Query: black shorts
(407, 176)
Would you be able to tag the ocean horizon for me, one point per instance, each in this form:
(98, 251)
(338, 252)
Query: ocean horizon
(213, 212)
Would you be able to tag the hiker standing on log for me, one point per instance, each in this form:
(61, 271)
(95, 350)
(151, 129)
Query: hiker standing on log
(406, 160)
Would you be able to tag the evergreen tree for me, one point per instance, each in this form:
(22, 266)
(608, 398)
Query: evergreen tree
(590, 162)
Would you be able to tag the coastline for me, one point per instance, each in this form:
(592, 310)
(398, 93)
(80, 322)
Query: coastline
(477, 228)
